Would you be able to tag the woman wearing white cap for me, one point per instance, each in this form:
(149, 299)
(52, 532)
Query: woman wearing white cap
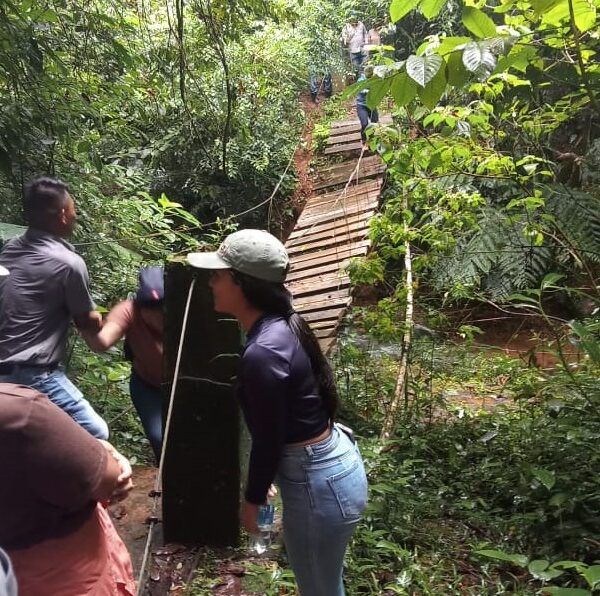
(289, 398)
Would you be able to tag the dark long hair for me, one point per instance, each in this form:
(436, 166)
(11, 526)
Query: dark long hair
(274, 298)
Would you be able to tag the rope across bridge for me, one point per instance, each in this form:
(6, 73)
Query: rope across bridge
(332, 229)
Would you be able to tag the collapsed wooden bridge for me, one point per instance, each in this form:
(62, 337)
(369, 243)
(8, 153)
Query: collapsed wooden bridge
(332, 229)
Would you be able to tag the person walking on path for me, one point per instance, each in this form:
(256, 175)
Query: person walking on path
(56, 483)
(354, 37)
(140, 320)
(48, 286)
(288, 396)
(365, 114)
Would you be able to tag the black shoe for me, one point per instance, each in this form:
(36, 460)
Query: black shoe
(313, 96)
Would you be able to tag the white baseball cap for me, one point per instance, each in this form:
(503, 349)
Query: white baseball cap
(253, 252)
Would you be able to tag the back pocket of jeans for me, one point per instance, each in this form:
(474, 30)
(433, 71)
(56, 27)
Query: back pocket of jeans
(350, 490)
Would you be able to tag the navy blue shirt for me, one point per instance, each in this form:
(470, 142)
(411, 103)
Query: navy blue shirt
(280, 398)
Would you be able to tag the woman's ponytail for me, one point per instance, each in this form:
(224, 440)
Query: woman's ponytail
(274, 298)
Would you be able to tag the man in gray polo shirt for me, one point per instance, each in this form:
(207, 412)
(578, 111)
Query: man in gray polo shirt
(46, 288)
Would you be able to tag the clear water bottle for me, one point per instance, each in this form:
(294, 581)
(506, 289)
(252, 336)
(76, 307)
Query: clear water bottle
(260, 542)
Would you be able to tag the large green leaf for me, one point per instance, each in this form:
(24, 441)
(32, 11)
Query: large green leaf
(518, 58)
(422, 69)
(400, 8)
(478, 58)
(542, 6)
(540, 569)
(592, 575)
(448, 44)
(546, 477)
(377, 91)
(431, 8)
(520, 560)
(558, 14)
(458, 75)
(355, 88)
(567, 591)
(585, 14)
(403, 89)
(431, 93)
(477, 22)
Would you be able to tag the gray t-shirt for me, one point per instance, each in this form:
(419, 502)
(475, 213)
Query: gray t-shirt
(48, 285)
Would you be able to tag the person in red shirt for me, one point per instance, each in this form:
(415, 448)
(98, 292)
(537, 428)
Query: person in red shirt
(56, 483)
(140, 321)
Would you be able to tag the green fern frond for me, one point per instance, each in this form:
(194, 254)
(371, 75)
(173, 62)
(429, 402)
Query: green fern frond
(577, 219)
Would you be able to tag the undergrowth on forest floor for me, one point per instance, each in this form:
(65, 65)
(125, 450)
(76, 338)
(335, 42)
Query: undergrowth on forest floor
(470, 496)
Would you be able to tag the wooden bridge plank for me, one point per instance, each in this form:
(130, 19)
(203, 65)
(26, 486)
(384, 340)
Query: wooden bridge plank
(353, 189)
(342, 202)
(325, 332)
(331, 254)
(331, 314)
(323, 173)
(330, 295)
(335, 214)
(343, 301)
(365, 173)
(331, 233)
(332, 227)
(346, 137)
(318, 324)
(383, 118)
(341, 238)
(343, 148)
(311, 285)
(353, 128)
(304, 273)
(363, 187)
(317, 260)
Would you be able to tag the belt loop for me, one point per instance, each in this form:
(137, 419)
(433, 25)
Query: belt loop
(309, 449)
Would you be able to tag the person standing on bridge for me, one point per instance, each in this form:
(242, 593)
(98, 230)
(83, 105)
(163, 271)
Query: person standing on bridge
(48, 286)
(365, 114)
(288, 395)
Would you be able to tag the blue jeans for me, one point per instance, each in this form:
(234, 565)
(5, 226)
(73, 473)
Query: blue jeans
(147, 400)
(326, 85)
(324, 492)
(357, 59)
(56, 385)
(366, 117)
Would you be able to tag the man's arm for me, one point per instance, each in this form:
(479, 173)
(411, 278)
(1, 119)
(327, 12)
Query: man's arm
(115, 326)
(101, 340)
(88, 321)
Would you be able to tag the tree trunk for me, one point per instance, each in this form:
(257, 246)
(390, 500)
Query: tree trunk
(400, 391)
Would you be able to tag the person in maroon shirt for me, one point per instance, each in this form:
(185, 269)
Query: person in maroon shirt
(140, 321)
(56, 482)
(288, 395)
